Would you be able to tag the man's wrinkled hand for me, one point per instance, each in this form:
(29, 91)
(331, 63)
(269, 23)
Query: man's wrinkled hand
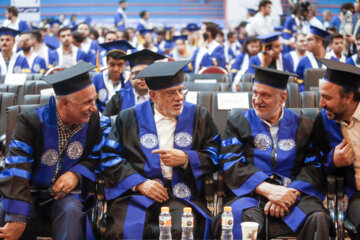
(172, 157)
(343, 154)
(65, 184)
(282, 196)
(274, 210)
(12, 231)
(153, 190)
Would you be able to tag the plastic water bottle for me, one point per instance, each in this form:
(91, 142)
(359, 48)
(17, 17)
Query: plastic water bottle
(227, 222)
(187, 224)
(165, 224)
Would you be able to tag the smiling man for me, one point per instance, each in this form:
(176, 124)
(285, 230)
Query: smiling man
(49, 163)
(336, 129)
(264, 166)
(158, 154)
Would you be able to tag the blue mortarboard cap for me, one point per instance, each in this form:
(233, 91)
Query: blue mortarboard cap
(192, 27)
(342, 74)
(52, 42)
(271, 77)
(144, 31)
(251, 10)
(181, 37)
(319, 32)
(54, 22)
(8, 31)
(161, 75)
(121, 45)
(279, 28)
(269, 38)
(71, 80)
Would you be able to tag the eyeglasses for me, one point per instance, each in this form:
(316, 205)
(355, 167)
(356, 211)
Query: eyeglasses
(172, 93)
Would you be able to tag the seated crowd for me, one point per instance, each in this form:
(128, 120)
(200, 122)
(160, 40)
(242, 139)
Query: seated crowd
(130, 127)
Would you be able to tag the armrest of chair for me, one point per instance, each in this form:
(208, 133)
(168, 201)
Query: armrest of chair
(99, 214)
(331, 195)
(209, 192)
(340, 206)
(220, 193)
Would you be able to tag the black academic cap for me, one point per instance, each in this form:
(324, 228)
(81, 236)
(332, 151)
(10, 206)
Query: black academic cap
(272, 77)
(342, 74)
(143, 57)
(71, 80)
(161, 75)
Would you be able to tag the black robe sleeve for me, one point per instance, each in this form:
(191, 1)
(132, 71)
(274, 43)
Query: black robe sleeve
(113, 106)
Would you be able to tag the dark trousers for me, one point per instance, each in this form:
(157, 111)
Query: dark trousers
(354, 210)
(65, 216)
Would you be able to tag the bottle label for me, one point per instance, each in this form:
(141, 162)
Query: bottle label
(187, 222)
(227, 222)
(165, 221)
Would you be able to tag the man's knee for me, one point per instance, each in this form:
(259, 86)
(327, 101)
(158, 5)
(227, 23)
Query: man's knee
(319, 218)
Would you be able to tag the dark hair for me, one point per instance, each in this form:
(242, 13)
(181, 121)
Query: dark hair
(357, 37)
(83, 23)
(347, 6)
(243, 24)
(346, 91)
(115, 54)
(230, 35)
(78, 37)
(249, 40)
(125, 35)
(94, 33)
(63, 29)
(109, 32)
(212, 28)
(37, 35)
(221, 33)
(332, 28)
(263, 3)
(142, 13)
(122, 1)
(13, 10)
(335, 36)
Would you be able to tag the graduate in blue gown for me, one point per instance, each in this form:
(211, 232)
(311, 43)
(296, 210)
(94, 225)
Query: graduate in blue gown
(270, 56)
(116, 76)
(120, 17)
(335, 133)
(292, 58)
(139, 92)
(60, 56)
(316, 49)
(265, 166)
(158, 154)
(354, 59)
(291, 26)
(11, 62)
(13, 21)
(52, 159)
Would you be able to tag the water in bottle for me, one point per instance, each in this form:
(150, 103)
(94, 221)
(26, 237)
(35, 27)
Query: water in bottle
(187, 224)
(227, 222)
(165, 224)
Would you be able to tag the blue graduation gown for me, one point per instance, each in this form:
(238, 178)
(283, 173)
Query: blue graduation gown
(245, 161)
(290, 27)
(119, 20)
(129, 162)
(123, 99)
(39, 65)
(304, 64)
(352, 60)
(55, 56)
(102, 91)
(216, 58)
(17, 64)
(256, 60)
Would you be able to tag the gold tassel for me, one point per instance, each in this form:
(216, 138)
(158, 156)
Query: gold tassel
(97, 61)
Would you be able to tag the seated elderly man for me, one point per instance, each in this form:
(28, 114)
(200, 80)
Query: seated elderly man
(265, 169)
(51, 158)
(336, 130)
(158, 154)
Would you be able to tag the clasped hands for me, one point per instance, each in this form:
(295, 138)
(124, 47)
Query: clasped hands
(152, 188)
(280, 198)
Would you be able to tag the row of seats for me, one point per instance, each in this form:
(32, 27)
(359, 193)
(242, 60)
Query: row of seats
(29, 77)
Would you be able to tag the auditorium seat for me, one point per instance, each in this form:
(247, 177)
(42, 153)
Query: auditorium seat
(2, 78)
(219, 115)
(191, 77)
(11, 114)
(293, 99)
(212, 87)
(318, 97)
(307, 112)
(225, 87)
(18, 90)
(36, 99)
(244, 87)
(34, 87)
(213, 70)
(246, 77)
(308, 99)
(6, 100)
(312, 76)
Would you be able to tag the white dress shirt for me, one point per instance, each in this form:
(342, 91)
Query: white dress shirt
(140, 98)
(351, 133)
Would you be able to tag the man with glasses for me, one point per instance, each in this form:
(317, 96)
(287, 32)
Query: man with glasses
(139, 93)
(265, 169)
(158, 154)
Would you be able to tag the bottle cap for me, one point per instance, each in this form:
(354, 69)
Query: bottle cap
(165, 209)
(187, 209)
(227, 209)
